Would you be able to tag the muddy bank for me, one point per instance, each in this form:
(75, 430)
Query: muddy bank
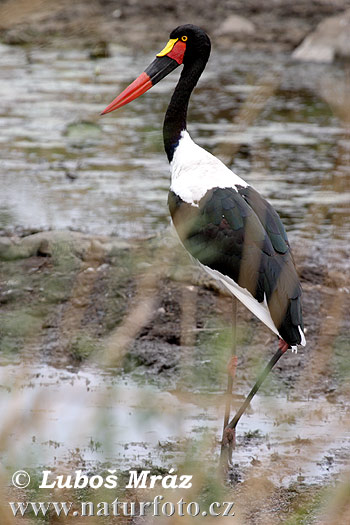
(71, 297)
(279, 26)
(133, 341)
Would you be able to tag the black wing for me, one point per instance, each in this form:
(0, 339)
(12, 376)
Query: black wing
(239, 234)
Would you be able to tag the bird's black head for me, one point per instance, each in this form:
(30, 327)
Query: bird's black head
(187, 44)
(196, 40)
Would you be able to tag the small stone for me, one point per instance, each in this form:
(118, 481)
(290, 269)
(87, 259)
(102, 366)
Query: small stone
(236, 24)
(117, 13)
(100, 50)
(44, 249)
(90, 270)
(103, 267)
(83, 132)
(71, 176)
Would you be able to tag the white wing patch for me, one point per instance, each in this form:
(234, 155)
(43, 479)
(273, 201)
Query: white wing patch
(194, 171)
(303, 340)
(261, 310)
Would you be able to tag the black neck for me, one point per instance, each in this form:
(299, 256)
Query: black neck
(176, 115)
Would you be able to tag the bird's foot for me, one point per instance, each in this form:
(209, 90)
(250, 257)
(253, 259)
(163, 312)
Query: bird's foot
(282, 345)
(229, 437)
(232, 366)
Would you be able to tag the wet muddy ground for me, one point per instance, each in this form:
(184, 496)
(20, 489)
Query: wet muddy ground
(155, 398)
(113, 347)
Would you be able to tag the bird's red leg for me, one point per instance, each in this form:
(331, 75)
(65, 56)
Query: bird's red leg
(282, 345)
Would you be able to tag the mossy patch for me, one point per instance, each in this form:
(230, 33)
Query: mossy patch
(82, 347)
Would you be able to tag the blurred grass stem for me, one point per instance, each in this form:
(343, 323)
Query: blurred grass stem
(226, 451)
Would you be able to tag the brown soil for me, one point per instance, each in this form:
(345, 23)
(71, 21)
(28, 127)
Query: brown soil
(83, 290)
(73, 297)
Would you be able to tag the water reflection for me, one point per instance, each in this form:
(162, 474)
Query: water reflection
(126, 426)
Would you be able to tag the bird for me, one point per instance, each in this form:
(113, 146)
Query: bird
(227, 227)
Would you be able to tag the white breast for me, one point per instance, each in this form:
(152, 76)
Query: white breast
(194, 171)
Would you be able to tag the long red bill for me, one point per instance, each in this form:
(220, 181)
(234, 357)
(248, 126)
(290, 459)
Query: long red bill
(140, 85)
(158, 69)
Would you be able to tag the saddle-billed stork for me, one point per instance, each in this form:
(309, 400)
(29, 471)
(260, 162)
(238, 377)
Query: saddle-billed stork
(226, 226)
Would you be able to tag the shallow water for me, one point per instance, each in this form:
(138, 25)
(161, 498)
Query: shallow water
(92, 419)
(110, 175)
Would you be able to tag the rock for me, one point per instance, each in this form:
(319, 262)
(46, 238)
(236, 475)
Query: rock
(71, 176)
(329, 40)
(83, 132)
(14, 248)
(236, 24)
(5, 245)
(44, 249)
(53, 243)
(117, 13)
(100, 50)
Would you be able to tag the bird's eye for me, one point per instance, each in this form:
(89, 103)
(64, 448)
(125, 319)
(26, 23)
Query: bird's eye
(184, 38)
